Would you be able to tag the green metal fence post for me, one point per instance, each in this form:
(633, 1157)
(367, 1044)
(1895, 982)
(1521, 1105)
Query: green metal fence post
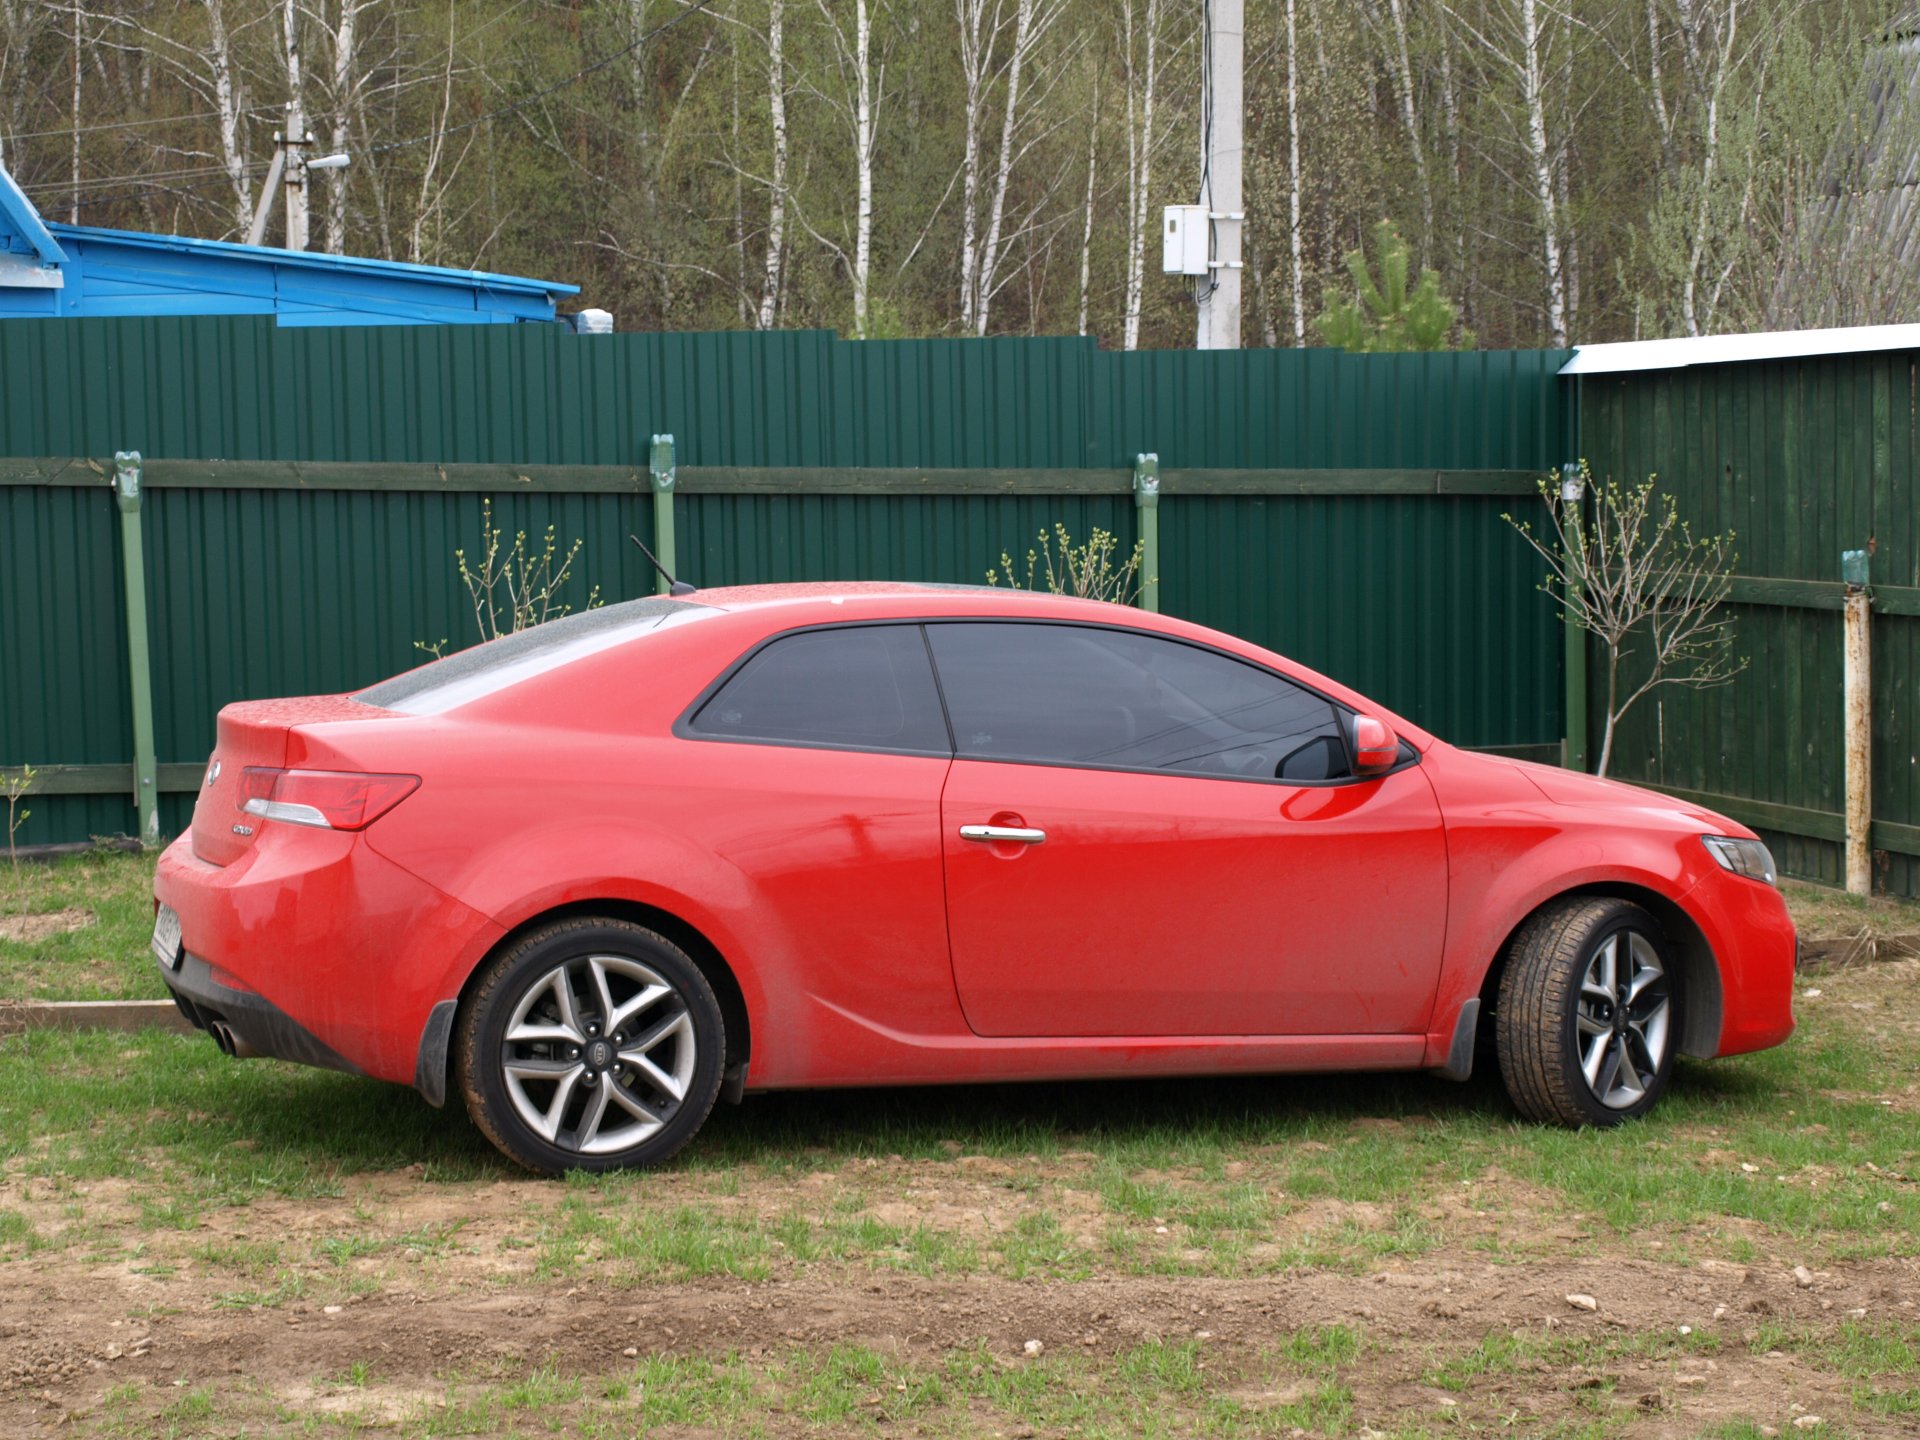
(1573, 489)
(1146, 500)
(660, 465)
(133, 564)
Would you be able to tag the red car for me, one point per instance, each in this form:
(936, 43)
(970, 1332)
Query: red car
(596, 874)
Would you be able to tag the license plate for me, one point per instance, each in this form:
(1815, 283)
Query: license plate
(166, 937)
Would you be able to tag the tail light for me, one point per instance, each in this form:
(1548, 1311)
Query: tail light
(328, 799)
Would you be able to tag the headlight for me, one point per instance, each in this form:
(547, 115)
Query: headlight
(1743, 857)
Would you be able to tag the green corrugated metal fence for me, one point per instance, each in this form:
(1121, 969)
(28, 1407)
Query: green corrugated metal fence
(1802, 459)
(300, 559)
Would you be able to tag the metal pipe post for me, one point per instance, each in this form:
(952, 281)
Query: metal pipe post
(1573, 490)
(1146, 502)
(660, 465)
(133, 562)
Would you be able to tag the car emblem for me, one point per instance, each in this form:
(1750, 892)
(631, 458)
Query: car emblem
(213, 774)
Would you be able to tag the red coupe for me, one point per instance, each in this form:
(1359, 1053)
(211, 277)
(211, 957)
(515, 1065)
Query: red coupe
(598, 873)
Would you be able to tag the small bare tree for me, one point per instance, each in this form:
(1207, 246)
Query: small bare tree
(17, 787)
(513, 587)
(1093, 571)
(1635, 575)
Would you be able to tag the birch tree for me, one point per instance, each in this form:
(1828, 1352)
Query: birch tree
(1086, 210)
(346, 96)
(990, 72)
(1524, 48)
(772, 275)
(1142, 90)
(1296, 270)
(857, 94)
(1400, 64)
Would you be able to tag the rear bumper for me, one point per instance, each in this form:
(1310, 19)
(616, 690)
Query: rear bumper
(243, 1023)
(315, 948)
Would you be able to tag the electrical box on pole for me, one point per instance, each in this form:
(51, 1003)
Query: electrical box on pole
(1186, 241)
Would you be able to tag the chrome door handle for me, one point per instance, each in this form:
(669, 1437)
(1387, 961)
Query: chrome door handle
(1002, 832)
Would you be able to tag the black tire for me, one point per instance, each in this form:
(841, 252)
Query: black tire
(630, 1069)
(1553, 1023)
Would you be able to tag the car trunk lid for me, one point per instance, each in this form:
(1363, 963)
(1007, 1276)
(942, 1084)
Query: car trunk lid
(256, 734)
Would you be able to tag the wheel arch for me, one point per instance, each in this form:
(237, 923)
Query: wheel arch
(1702, 1004)
(688, 937)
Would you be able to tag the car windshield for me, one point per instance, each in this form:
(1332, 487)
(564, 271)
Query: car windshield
(471, 675)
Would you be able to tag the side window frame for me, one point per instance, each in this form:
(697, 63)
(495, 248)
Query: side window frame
(683, 725)
(1344, 714)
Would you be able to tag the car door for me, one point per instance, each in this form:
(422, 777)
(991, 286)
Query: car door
(824, 800)
(1144, 836)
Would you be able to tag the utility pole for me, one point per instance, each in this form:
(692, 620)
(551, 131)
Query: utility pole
(291, 168)
(1220, 191)
(293, 144)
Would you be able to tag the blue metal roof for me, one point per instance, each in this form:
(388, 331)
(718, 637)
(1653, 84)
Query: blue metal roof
(22, 232)
(70, 270)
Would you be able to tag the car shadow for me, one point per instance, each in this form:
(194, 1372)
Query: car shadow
(353, 1124)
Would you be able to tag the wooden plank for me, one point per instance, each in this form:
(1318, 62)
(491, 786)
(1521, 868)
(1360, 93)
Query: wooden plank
(174, 779)
(348, 475)
(53, 471)
(331, 475)
(904, 480)
(1891, 835)
(1896, 600)
(1818, 595)
(760, 480)
(1788, 594)
(127, 1015)
(1350, 482)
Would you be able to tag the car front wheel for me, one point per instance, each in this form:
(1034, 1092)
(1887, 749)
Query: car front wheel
(1588, 1013)
(590, 1044)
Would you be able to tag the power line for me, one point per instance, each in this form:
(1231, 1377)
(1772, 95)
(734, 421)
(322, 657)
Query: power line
(123, 125)
(55, 188)
(598, 65)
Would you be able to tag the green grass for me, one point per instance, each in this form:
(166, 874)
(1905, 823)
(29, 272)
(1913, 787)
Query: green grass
(106, 959)
(1823, 913)
(1377, 1154)
(1152, 1389)
(1230, 1177)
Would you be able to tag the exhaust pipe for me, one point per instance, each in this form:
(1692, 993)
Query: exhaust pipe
(230, 1043)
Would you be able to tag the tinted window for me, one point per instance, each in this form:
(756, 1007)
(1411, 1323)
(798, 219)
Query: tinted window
(487, 669)
(1125, 701)
(861, 688)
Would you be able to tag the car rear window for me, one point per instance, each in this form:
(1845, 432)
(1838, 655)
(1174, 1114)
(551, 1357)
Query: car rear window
(485, 670)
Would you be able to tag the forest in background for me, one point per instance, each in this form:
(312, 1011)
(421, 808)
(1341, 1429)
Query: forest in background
(1572, 170)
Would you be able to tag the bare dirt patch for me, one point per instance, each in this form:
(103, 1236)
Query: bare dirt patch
(27, 929)
(417, 1288)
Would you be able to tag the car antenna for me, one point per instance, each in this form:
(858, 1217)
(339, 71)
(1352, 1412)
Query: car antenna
(674, 587)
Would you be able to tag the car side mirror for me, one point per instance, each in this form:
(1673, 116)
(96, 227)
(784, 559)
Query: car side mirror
(1376, 749)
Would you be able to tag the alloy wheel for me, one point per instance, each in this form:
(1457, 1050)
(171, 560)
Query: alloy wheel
(1622, 1018)
(599, 1053)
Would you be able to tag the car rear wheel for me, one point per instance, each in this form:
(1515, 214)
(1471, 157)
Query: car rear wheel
(1588, 1013)
(590, 1045)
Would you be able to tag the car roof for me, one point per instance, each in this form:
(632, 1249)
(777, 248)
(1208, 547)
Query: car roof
(904, 597)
